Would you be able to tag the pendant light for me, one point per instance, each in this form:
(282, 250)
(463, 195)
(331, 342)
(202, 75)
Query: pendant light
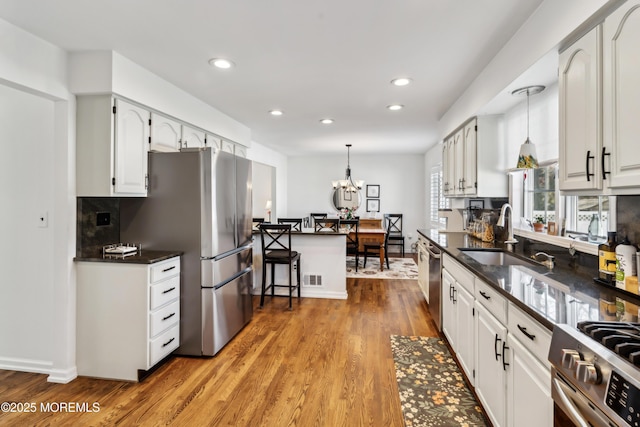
(347, 183)
(527, 158)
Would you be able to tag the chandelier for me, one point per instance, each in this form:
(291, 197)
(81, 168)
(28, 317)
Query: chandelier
(348, 184)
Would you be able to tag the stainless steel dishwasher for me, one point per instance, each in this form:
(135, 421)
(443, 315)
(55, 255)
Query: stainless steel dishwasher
(435, 274)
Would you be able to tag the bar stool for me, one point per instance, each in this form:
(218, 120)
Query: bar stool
(353, 242)
(276, 249)
(296, 223)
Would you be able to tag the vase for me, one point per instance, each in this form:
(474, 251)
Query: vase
(538, 226)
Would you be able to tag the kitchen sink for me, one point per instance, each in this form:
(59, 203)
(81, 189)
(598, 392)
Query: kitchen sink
(495, 257)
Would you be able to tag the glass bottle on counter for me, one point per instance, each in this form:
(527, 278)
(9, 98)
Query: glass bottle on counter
(594, 229)
(607, 259)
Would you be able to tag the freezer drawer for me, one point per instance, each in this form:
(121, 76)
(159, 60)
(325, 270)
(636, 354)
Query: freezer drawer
(216, 271)
(225, 311)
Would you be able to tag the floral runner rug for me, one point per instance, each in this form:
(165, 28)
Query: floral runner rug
(432, 389)
(399, 268)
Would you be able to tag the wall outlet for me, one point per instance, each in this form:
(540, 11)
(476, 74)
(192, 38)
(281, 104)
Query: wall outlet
(103, 218)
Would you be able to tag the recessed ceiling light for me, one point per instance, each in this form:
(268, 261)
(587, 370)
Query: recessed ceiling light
(326, 121)
(401, 81)
(276, 112)
(395, 107)
(220, 63)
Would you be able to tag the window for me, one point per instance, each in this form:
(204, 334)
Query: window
(536, 191)
(438, 201)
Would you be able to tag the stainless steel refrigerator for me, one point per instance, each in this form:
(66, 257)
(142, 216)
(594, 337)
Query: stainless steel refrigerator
(199, 202)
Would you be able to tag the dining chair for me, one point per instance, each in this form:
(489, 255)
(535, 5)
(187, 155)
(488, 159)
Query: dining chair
(318, 216)
(371, 249)
(255, 223)
(394, 230)
(296, 223)
(276, 250)
(353, 241)
(327, 224)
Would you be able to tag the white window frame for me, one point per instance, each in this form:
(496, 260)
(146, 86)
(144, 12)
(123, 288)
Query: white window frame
(437, 201)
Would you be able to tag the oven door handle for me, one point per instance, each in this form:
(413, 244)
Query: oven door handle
(430, 249)
(567, 405)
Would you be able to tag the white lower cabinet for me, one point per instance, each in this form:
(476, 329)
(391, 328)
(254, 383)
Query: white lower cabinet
(491, 365)
(128, 317)
(502, 350)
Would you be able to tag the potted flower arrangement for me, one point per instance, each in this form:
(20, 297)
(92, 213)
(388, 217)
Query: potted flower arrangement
(539, 222)
(348, 213)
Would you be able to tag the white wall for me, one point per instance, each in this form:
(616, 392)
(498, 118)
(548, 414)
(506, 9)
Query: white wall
(37, 308)
(552, 22)
(401, 178)
(267, 156)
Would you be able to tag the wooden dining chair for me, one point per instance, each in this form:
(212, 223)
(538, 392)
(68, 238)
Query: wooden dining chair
(353, 241)
(296, 223)
(327, 224)
(394, 230)
(373, 249)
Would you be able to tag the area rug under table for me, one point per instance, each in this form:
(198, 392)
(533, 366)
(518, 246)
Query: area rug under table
(432, 388)
(399, 268)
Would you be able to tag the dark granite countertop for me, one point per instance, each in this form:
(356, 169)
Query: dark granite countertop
(145, 256)
(308, 232)
(553, 296)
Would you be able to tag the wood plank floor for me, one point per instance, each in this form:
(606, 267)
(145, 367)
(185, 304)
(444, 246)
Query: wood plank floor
(326, 363)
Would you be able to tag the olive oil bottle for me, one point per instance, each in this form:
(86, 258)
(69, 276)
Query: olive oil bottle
(607, 259)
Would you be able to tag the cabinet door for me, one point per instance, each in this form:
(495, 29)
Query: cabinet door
(491, 374)
(448, 309)
(192, 138)
(213, 141)
(165, 134)
(466, 331)
(458, 159)
(446, 169)
(621, 98)
(470, 175)
(580, 114)
(131, 144)
(529, 402)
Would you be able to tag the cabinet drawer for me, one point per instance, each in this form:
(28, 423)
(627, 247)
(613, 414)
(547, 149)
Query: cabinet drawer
(163, 344)
(533, 336)
(491, 299)
(163, 292)
(463, 276)
(162, 270)
(163, 318)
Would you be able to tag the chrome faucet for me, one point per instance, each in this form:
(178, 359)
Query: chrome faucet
(549, 262)
(502, 219)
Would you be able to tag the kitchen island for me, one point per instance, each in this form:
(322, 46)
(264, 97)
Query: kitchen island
(323, 264)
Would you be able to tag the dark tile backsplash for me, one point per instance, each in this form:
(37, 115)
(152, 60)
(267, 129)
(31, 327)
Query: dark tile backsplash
(90, 235)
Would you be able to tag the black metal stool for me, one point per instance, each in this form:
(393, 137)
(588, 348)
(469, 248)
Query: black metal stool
(276, 249)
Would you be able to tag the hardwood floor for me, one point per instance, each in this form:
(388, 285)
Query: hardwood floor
(326, 363)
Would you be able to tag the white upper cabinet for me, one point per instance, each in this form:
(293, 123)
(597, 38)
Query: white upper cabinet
(580, 115)
(165, 133)
(621, 96)
(131, 146)
(192, 138)
(473, 159)
(599, 86)
(111, 150)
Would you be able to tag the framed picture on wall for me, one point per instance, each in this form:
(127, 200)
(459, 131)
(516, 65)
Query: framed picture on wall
(373, 205)
(373, 191)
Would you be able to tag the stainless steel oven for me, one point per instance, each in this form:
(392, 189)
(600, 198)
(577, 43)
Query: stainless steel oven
(596, 374)
(434, 290)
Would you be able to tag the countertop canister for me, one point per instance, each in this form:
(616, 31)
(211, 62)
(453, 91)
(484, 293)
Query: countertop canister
(625, 262)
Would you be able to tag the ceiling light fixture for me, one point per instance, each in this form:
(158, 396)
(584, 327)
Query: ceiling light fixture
(395, 107)
(326, 121)
(221, 63)
(276, 112)
(527, 158)
(347, 184)
(401, 81)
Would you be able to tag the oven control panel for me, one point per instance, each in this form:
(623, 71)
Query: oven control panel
(623, 397)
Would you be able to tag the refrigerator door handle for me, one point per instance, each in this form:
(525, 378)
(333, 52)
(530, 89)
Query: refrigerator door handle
(226, 254)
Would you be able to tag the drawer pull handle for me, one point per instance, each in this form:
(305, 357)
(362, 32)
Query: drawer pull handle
(168, 317)
(168, 342)
(169, 290)
(527, 334)
(484, 295)
(168, 268)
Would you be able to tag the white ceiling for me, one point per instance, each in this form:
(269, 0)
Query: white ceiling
(330, 58)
